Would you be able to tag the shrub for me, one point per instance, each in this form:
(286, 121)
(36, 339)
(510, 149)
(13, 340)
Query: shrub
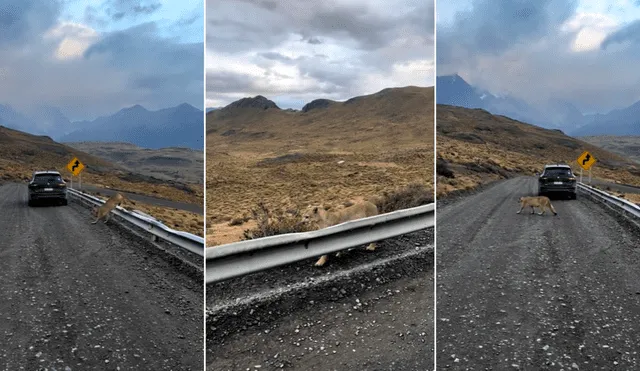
(271, 223)
(410, 196)
(443, 169)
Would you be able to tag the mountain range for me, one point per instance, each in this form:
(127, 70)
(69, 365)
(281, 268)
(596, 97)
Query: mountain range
(392, 116)
(180, 126)
(555, 114)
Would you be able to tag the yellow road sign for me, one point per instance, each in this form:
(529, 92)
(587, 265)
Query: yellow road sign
(75, 166)
(586, 160)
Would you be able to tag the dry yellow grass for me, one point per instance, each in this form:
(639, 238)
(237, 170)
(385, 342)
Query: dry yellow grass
(288, 160)
(172, 218)
(633, 197)
(479, 147)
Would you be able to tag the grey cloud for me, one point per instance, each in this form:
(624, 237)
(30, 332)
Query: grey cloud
(24, 20)
(378, 39)
(93, 16)
(250, 23)
(536, 62)
(338, 74)
(116, 10)
(228, 82)
(120, 69)
(146, 9)
(275, 57)
(630, 32)
(189, 20)
(313, 40)
(231, 86)
(493, 26)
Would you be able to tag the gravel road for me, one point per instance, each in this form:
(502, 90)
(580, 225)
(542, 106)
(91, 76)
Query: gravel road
(530, 292)
(77, 296)
(362, 311)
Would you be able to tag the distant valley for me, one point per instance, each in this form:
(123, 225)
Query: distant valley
(177, 164)
(627, 146)
(455, 91)
(180, 126)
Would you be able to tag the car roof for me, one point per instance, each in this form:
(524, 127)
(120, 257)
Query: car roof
(558, 165)
(53, 172)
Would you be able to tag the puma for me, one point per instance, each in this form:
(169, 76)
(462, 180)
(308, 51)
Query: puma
(541, 202)
(323, 218)
(104, 211)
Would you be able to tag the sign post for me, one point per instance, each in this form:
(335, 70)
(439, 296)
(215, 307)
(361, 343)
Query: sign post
(586, 161)
(580, 175)
(75, 167)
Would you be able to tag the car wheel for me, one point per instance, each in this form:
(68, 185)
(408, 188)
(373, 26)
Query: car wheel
(65, 202)
(574, 196)
(30, 202)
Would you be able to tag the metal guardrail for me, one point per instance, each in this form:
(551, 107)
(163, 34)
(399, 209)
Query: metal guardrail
(245, 257)
(187, 241)
(625, 205)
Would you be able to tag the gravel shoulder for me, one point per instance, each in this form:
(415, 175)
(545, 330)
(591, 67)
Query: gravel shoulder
(354, 313)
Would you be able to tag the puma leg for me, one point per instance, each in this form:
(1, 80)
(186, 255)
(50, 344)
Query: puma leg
(321, 261)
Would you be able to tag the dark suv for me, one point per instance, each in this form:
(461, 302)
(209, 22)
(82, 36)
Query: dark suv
(557, 179)
(47, 185)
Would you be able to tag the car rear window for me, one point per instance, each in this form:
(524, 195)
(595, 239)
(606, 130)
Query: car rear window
(47, 178)
(557, 171)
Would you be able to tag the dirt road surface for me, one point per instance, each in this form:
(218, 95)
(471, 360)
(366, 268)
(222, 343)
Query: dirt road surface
(530, 292)
(77, 296)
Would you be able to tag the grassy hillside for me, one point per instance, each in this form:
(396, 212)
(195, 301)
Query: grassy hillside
(475, 147)
(330, 152)
(22, 153)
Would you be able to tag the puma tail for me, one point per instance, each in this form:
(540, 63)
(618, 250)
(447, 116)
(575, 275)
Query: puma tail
(552, 209)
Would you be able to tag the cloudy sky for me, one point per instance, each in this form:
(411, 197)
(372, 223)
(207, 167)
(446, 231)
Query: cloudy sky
(295, 51)
(94, 57)
(586, 52)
